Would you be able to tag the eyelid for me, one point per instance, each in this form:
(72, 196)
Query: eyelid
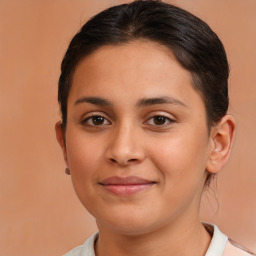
(95, 113)
(161, 113)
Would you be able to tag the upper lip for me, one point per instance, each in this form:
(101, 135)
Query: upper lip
(130, 180)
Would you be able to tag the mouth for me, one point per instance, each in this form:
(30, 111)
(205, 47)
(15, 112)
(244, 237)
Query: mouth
(125, 186)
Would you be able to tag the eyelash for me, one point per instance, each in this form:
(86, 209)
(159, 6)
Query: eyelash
(165, 118)
(90, 118)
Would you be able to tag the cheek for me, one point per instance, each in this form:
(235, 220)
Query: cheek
(181, 159)
(84, 158)
(182, 169)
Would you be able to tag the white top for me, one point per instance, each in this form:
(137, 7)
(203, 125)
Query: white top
(220, 245)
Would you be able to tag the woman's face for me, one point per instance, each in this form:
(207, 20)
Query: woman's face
(137, 139)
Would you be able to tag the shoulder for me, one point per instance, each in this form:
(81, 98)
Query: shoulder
(87, 249)
(221, 245)
(234, 249)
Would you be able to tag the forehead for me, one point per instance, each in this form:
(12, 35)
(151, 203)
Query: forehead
(136, 69)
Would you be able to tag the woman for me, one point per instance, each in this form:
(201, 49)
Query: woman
(144, 98)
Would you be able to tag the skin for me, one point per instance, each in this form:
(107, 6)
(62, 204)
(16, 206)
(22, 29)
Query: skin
(130, 139)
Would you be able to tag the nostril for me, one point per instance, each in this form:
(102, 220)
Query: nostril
(113, 160)
(132, 160)
(123, 162)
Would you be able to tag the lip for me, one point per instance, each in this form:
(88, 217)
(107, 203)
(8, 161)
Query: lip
(125, 186)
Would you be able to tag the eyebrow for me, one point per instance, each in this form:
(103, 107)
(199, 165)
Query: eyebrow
(94, 100)
(141, 102)
(159, 100)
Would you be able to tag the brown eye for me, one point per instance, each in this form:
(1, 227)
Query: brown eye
(160, 120)
(95, 120)
(98, 120)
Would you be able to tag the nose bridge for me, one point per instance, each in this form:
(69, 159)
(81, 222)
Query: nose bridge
(124, 146)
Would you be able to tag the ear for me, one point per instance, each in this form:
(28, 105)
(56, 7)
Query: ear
(221, 141)
(61, 139)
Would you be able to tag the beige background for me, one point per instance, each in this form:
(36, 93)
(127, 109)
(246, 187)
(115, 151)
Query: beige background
(39, 212)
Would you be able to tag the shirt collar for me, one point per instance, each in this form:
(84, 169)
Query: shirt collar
(218, 242)
(216, 248)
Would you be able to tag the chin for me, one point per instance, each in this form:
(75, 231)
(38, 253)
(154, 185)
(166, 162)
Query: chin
(128, 225)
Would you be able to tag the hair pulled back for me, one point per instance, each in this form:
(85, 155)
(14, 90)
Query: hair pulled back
(196, 47)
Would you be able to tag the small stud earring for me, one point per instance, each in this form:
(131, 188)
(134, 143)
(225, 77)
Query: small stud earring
(67, 171)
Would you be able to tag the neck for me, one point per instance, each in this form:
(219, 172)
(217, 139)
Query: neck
(180, 239)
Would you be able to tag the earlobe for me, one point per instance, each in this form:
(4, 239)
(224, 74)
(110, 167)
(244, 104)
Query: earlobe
(61, 140)
(222, 137)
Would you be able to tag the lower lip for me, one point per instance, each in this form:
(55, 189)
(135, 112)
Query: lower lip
(128, 189)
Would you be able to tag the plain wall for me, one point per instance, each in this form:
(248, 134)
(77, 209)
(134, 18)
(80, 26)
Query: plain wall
(39, 211)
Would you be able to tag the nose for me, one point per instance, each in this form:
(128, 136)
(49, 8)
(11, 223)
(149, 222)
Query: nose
(125, 147)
